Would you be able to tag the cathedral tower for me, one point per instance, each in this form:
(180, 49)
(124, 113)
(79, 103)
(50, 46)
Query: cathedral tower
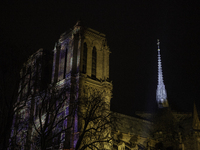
(161, 93)
(81, 60)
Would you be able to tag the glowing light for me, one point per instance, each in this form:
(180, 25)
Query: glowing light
(161, 93)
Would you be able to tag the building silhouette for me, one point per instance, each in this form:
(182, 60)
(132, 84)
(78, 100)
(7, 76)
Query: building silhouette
(80, 62)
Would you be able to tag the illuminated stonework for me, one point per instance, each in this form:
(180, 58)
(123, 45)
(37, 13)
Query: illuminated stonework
(81, 59)
(80, 63)
(161, 93)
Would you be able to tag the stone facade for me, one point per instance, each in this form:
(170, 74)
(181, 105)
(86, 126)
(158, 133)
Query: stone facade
(81, 61)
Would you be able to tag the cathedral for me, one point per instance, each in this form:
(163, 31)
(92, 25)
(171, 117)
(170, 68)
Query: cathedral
(79, 66)
(163, 129)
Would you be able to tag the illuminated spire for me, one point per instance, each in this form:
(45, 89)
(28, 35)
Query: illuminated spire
(161, 93)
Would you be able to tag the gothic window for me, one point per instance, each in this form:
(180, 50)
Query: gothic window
(94, 61)
(84, 58)
(57, 63)
(65, 64)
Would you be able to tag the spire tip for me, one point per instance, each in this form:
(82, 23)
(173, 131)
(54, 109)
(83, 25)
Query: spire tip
(158, 43)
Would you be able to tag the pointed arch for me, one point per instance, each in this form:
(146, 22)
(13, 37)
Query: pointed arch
(94, 61)
(65, 63)
(84, 69)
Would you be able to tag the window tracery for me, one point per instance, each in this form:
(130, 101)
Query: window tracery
(65, 63)
(84, 58)
(94, 60)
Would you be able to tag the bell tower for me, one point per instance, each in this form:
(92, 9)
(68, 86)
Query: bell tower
(81, 61)
(83, 53)
(161, 93)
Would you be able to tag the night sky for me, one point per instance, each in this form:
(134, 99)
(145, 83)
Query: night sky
(132, 29)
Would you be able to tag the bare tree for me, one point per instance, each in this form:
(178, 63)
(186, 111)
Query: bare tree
(166, 129)
(55, 109)
(30, 83)
(50, 120)
(95, 122)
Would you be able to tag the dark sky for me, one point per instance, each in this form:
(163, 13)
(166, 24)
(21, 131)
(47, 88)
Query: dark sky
(132, 29)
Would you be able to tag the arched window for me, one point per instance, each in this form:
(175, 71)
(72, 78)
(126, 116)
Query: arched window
(65, 64)
(84, 58)
(57, 63)
(94, 61)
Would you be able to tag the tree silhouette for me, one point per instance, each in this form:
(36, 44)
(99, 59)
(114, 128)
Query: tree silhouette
(95, 121)
(165, 129)
(31, 84)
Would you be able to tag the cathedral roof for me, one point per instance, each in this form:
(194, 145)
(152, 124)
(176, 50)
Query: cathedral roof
(132, 125)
